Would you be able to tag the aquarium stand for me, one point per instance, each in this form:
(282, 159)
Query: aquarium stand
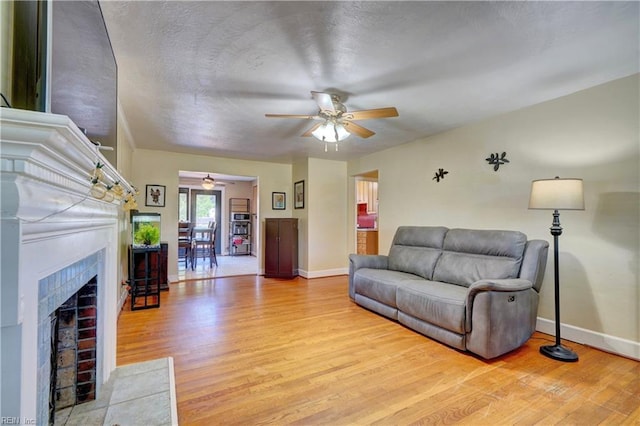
(144, 277)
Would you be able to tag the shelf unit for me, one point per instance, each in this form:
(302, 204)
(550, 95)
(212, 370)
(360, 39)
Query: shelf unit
(239, 228)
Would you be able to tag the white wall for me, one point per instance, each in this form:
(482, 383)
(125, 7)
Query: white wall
(593, 135)
(162, 168)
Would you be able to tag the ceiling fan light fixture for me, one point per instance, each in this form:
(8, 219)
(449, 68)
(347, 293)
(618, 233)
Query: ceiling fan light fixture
(330, 131)
(208, 182)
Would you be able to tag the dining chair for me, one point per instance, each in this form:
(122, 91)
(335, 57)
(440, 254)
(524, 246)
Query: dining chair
(204, 245)
(184, 243)
(214, 227)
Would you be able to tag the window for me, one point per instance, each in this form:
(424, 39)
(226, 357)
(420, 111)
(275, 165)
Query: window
(204, 207)
(183, 204)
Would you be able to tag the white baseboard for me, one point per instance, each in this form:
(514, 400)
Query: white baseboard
(323, 273)
(123, 297)
(615, 345)
(172, 393)
(317, 274)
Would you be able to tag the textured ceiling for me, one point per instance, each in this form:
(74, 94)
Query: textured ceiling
(198, 77)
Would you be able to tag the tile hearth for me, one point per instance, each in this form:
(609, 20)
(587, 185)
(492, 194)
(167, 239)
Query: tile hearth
(136, 394)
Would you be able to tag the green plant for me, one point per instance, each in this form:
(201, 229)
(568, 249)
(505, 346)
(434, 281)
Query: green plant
(147, 234)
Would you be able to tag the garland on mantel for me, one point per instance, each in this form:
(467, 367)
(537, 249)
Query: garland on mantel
(107, 192)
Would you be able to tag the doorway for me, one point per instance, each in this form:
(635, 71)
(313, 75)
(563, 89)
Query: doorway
(366, 211)
(199, 204)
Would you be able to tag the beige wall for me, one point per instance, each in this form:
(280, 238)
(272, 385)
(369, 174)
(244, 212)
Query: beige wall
(591, 135)
(327, 217)
(6, 48)
(161, 168)
(124, 156)
(301, 172)
(322, 224)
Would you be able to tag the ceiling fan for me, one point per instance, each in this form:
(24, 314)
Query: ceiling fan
(335, 123)
(208, 182)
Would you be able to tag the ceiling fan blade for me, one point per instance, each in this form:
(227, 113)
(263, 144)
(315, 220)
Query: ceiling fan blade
(311, 130)
(324, 101)
(372, 113)
(305, 116)
(357, 129)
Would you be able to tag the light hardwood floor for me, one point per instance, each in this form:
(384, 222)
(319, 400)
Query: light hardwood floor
(249, 350)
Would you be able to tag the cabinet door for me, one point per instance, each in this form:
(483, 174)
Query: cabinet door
(288, 247)
(271, 256)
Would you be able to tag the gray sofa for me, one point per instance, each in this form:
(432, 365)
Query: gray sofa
(475, 290)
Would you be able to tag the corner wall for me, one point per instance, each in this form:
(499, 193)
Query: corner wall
(124, 154)
(593, 135)
(322, 224)
(327, 248)
(300, 172)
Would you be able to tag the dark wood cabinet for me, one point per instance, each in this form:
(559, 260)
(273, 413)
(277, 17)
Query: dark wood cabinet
(163, 259)
(281, 248)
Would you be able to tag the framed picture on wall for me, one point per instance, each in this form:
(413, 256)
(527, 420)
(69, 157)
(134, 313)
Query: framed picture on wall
(154, 196)
(298, 195)
(278, 200)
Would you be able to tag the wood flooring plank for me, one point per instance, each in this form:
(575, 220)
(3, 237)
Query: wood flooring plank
(250, 350)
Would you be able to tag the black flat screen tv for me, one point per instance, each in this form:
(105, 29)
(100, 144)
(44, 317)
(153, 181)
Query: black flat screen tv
(83, 74)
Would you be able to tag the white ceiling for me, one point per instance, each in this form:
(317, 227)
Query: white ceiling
(198, 77)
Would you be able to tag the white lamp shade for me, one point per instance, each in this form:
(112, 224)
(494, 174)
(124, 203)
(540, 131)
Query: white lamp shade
(208, 182)
(557, 194)
(330, 132)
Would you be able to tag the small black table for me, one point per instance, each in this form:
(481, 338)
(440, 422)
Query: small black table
(144, 277)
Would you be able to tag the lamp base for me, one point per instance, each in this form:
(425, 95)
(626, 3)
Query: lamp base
(559, 353)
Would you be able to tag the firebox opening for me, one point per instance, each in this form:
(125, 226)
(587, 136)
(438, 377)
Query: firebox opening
(73, 339)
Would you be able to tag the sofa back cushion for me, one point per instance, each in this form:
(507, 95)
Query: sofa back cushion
(471, 255)
(416, 249)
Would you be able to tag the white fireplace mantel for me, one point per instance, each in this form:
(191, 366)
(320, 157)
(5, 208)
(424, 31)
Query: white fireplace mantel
(49, 221)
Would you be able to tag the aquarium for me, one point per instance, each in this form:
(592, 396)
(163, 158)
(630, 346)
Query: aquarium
(145, 229)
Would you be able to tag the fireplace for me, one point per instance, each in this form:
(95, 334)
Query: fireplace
(56, 239)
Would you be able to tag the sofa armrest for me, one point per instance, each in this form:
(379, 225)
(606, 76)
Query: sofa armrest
(505, 285)
(513, 284)
(373, 261)
(357, 261)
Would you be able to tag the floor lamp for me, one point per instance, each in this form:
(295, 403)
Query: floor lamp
(557, 194)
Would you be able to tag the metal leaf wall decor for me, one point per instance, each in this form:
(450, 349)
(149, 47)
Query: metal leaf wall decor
(440, 175)
(497, 160)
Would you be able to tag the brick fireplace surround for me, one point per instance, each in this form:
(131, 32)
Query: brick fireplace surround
(55, 239)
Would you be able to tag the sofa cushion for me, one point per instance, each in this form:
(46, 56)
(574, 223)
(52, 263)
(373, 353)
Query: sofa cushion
(437, 303)
(471, 255)
(380, 284)
(416, 249)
